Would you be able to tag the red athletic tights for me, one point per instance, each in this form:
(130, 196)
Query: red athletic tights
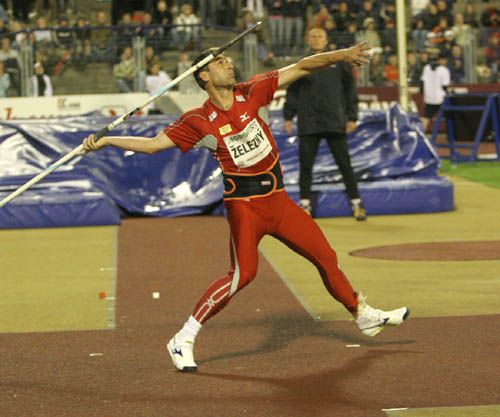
(276, 215)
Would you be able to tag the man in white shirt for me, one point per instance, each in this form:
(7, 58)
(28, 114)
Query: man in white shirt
(187, 31)
(154, 81)
(435, 79)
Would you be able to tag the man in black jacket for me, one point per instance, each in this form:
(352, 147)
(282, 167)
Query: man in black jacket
(326, 106)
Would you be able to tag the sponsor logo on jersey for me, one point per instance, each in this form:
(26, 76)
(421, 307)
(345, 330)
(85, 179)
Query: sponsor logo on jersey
(244, 117)
(249, 146)
(240, 99)
(224, 130)
(212, 116)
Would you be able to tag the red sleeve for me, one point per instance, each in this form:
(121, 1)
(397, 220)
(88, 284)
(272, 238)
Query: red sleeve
(261, 88)
(184, 132)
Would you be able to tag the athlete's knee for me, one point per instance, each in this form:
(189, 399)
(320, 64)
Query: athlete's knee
(242, 277)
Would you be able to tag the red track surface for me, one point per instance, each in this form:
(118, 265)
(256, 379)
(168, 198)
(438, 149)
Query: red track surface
(261, 356)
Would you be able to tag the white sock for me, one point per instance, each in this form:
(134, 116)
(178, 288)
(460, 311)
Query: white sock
(190, 329)
(305, 202)
(355, 202)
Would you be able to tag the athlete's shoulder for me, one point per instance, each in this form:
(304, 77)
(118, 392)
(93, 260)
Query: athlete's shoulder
(193, 117)
(246, 86)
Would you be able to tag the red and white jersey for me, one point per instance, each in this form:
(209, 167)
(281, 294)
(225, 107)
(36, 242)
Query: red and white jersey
(239, 138)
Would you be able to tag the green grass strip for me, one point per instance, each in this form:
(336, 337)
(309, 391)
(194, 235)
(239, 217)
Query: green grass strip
(487, 173)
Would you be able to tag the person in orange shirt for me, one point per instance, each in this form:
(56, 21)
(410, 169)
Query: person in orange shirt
(392, 71)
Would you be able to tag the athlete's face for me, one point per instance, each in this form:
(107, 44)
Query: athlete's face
(220, 72)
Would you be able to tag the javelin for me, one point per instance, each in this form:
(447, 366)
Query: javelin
(105, 130)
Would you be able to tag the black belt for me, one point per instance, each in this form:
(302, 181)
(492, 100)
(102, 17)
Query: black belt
(244, 186)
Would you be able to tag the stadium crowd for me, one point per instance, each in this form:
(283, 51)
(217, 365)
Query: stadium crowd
(61, 32)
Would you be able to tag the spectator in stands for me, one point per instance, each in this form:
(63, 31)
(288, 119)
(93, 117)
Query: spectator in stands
(350, 37)
(126, 30)
(40, 82)
(257, 8)
(470, 16)
(423, 59)
(247, 21)
(490, 18)
(367, 12)
(377, 70)
(155, 80)
(435, 80)
(65, 40)
(419, 35)
(187, 33)
(444, 12)
(6, 51)
(324, 113)
(391, 71)
(431, 17)
(4, 80)
(492, 55)
(100, 38)
(82, 43)
(446, 47)
(163, 16)
(387, 12)
(151, 57)
(343, 16)
(294, 12)
(10, 59)
(44, 41)
(389, 38)
(414, 70)
(17, 27)
(150, 33)
(276, 26)
(461, 31)
(41, 32)
(124, 72)
(319, 19)
(437, 36)
(64, 34)
(188, 85)
(370, 33)
(456, 65)
(332, 33)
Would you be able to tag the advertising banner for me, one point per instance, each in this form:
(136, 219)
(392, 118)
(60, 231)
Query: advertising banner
(111, 105)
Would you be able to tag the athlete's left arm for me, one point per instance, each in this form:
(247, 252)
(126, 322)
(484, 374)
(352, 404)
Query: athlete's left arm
(355, 55)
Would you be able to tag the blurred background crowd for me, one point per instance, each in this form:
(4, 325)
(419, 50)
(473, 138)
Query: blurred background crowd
(51, 36)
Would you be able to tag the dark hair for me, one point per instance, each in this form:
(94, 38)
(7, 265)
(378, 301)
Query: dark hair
(200, 58)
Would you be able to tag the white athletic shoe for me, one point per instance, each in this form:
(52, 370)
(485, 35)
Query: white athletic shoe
(181, 353)
(371, 321)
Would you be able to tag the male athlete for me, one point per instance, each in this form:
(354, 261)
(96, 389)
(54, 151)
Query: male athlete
(232, 125)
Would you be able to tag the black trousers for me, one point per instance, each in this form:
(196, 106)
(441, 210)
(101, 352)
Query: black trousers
(308, 149)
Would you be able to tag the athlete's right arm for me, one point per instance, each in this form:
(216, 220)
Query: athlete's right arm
(130, 143)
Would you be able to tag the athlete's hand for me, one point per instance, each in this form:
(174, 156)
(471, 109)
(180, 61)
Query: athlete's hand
(91, 145)
(351, 126)
(358, 54)
(288, 127)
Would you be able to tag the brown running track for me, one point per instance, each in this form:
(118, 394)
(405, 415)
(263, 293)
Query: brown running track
(262, 356)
